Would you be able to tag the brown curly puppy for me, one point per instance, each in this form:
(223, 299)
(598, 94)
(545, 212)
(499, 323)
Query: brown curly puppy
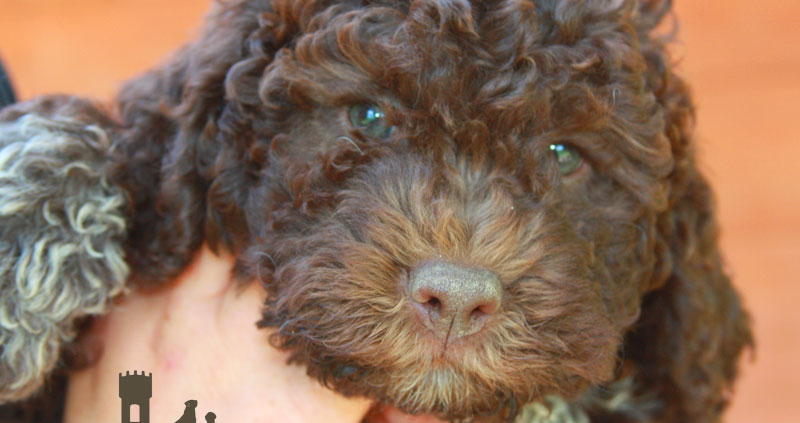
(458, 208)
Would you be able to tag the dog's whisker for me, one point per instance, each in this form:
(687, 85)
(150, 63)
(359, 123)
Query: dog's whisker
(269, 257)
(348, 139)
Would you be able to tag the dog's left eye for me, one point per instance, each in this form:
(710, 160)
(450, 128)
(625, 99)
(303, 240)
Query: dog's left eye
(568, 158)
(370, 120)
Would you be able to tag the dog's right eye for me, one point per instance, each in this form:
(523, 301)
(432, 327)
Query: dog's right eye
(568, 158)
(370, 120)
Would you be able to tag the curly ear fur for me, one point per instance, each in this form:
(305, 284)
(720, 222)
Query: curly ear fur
(692, 328)
(191, 129)
(62, 226)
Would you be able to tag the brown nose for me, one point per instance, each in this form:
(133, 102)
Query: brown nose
(454, 300)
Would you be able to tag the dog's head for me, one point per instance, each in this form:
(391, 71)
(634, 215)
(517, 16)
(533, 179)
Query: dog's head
(455, 207)
(459, 201)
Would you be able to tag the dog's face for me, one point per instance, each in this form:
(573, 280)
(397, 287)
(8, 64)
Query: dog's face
(458, 204)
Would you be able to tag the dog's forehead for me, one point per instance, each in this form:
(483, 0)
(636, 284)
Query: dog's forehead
(522, 71)
(456, 59)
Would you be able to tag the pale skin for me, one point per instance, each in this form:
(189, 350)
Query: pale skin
(198, 338)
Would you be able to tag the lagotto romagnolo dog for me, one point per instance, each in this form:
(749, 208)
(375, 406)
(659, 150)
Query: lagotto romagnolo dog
(479, 210)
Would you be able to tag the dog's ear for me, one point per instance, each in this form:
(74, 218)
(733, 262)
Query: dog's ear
(650, 13)
(196, 132)
(62, 228)
(693, 327)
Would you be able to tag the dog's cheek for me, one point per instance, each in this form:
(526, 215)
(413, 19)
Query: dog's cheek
(625, 243)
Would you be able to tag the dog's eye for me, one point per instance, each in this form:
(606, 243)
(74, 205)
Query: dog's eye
(370, 120)
(568, 158)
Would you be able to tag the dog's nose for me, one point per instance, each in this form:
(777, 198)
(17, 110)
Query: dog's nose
(454, 300)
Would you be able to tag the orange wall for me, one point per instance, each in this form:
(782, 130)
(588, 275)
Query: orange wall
(743, 61)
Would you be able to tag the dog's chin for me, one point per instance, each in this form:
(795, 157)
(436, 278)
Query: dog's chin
(388, 414)
(468, 382)
(381, 413)
(437, 395)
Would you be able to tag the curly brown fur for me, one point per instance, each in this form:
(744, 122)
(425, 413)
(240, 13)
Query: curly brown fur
(611, 275)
